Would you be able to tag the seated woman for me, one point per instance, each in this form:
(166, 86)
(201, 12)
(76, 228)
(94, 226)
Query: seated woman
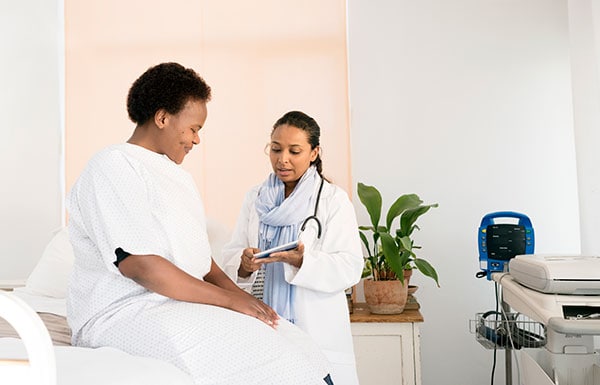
(144, 280)
(305, 285)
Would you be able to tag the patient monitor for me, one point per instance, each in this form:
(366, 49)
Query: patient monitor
(500, 239)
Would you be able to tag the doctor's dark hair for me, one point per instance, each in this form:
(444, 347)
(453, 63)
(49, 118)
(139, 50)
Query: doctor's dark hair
(167, 86)
(307, 124)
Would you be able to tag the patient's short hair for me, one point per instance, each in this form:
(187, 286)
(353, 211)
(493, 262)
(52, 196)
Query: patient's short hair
(167, 86)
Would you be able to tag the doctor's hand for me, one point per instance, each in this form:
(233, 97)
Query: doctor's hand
(249, 263)
(293, 257)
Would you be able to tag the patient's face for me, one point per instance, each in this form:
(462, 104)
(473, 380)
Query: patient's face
(180, 132)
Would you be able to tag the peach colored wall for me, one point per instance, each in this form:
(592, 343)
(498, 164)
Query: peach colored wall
(261, 60)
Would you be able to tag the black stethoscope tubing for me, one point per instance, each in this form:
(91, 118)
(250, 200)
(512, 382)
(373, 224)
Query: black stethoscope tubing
(314, 216)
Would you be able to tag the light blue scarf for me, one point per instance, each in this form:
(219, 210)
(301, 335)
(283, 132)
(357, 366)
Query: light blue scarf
(279, 222)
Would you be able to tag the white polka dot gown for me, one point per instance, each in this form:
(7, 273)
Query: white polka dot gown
(144, 203)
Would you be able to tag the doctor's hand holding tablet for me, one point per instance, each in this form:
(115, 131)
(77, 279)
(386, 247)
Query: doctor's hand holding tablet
(253, 258)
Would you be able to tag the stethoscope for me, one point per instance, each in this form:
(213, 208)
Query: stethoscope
(314, 216)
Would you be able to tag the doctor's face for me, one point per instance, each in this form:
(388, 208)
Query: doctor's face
(290, 154)
(180, 131)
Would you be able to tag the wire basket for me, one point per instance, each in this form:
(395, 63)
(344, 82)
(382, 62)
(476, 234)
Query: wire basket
(495, 330)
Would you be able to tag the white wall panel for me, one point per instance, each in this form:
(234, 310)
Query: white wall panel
(31, 145)
(584, 19)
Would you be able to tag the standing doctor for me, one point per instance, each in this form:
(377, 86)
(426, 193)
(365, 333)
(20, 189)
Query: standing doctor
(305, 285)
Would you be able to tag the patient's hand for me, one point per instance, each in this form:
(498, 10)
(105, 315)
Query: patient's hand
(247, 304)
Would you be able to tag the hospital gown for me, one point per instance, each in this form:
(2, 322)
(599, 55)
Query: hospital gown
(142, 202)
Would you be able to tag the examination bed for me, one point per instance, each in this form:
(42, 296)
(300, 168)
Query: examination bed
(34, 357)
(35, 337)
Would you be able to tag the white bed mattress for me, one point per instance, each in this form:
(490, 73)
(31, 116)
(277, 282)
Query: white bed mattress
(42, 304)
(102, 366)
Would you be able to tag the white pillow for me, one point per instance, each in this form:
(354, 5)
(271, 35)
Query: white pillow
(218, 236)
(51, 274)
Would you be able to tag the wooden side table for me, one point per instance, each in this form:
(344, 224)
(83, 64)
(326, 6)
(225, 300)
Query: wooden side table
(387, 347)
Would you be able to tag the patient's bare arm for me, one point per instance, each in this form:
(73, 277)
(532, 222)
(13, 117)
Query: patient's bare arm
(161, 276)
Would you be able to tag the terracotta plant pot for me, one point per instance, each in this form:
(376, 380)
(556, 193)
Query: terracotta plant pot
(386, 297)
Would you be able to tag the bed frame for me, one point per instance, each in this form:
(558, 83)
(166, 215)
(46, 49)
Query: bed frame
(40, 368)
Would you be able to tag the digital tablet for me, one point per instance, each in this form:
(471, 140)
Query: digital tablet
(285, 247)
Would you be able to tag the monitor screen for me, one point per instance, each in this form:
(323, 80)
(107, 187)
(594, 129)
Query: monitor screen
(504, 241)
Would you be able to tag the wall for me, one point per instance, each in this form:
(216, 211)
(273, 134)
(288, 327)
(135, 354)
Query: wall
(68, 68)
(262, 60)
(585, 64)
(585, 61)
(31, 190)
(467, 103)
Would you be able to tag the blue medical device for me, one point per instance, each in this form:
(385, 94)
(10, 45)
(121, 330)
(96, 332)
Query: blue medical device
(500, 242)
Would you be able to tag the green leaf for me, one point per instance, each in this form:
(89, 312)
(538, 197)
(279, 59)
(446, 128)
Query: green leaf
(371, 199)
(375, 237)
(405, 202)
(406, 243)
(367, 269)
(365, 241)
(392, 254)
(410, 216)
(427, 270)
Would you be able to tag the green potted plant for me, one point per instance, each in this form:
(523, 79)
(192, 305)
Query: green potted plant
(391, 252)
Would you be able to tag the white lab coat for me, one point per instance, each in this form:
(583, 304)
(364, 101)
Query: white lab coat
(331, 264)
